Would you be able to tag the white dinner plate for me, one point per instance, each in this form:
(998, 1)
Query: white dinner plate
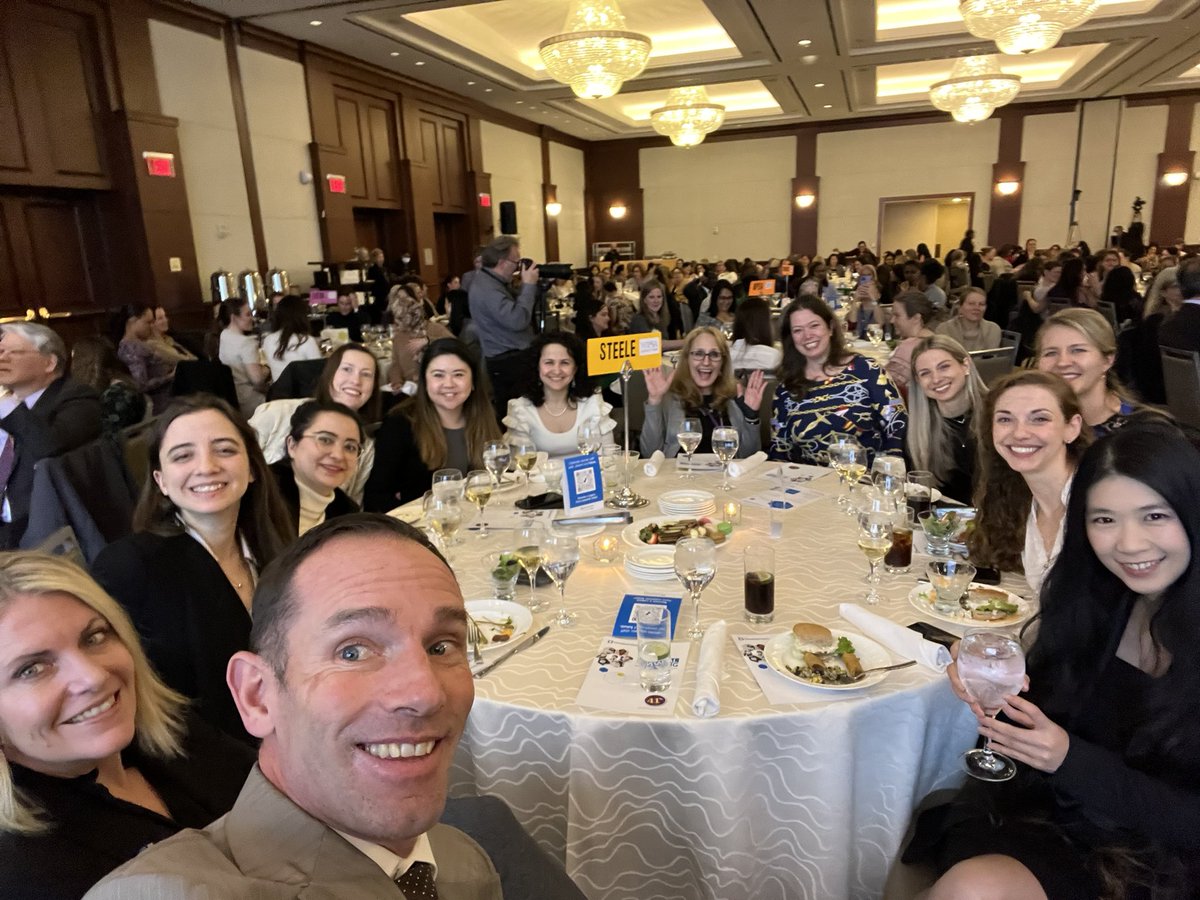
(778, 655)
(920, 597)
(488, 612)
(630, 532)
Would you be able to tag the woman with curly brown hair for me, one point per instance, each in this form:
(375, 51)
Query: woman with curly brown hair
(1031, 437)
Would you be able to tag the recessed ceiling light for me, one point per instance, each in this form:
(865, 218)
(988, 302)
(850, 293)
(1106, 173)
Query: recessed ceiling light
(804, 43)
(469, 83)
(487, 90)
(828, 106)
(519, 102)
(419, 62)
(819, 84)
(315, 22)
(809, 59)
(395, 53)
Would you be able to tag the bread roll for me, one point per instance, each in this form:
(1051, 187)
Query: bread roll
(808, 637)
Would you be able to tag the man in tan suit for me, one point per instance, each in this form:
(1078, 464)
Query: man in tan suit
(359, 688)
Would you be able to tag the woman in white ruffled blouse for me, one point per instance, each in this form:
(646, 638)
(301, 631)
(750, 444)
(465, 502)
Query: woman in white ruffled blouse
(558, 398)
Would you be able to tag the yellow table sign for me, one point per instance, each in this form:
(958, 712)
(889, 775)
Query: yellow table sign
(608, 354)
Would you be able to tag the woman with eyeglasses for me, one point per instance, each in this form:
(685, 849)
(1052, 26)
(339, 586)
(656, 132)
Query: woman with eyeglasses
(702, 387)
(323, 450)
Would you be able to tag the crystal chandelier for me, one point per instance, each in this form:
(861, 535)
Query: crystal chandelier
(688, 116)
(1024, 26)
(595, 54)
(976, 86)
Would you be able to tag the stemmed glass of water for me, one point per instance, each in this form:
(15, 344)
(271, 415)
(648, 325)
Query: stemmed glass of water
(695, 567)
(560, 556)
(588, 436)
(991, 666)
(689, 435)
(725, 445)
(496, 457)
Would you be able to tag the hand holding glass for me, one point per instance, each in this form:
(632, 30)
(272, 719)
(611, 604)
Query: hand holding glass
(991, 666)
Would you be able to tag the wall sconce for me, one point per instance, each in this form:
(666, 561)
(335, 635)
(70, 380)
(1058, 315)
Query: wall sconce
(804, 201)
(1175, 178)
(617, 210)
(1007, 188)
(553, 208)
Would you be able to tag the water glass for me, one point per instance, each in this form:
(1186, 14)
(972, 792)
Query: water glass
(991, 666)
(725, 445)
(919, 490)
(588, 436)
(496, 457)
(448, 483)
(950, 579)
(552, 471)
(689, 436)
(502, 568)
(653, 646)
(695, 567)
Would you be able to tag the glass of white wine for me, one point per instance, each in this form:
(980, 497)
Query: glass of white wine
(839, 452)
(695, 567)
(448, 481)
(525, 454)
(854, 462)
(560, 556)
(445, 516)
(689, 436)
(725, 445)
(479, 492)
(496, 457)
(528, 542)
(874, 540)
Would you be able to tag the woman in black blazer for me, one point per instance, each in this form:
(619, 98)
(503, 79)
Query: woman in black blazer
(99, 758)
(208, 520)
(323, 448)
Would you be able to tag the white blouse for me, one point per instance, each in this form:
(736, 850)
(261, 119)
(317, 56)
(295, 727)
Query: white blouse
(301, 347)
(1034, 558)
(754, 356)
(524, 422)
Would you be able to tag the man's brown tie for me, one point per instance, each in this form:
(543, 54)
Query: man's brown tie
(417, 882)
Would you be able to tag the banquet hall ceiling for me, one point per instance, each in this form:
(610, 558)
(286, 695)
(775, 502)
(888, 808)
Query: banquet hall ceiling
(770, 62)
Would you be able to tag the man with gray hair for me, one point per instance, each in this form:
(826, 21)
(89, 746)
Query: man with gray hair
(503, 321)
(43, 413)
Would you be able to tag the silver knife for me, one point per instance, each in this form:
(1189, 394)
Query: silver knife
(616, 518)
(520, 645)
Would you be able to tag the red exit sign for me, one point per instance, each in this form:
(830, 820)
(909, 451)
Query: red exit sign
(159, 165)
(337, 183)
(485, 200)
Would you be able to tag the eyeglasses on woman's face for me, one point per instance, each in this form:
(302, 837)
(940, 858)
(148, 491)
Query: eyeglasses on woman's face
(327, 442)
(705, 355)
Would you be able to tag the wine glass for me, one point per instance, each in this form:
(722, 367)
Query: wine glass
(991, 666)
(725, 445)
(479, 491)
(890, 485)
(560, 556)
(552, 471)
(445, 516)
(496, 457)
(528, 542)
(845, 451)
(689, 436)
(875, 334)
(695, 567)
(588, 435)
(525, 454)
(890, 464)
(875, 540)
(854, 458)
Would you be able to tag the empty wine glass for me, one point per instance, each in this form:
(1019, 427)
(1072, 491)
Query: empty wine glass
(844, 451)
(560, 556)
(496, 457)
(552, 471)
(890, 485)
(725, 445)
(528, 542)
(524, 453)
(889, 463)
(875, 540)
(695, 567)
(479, 491)
(689, 436)
(588, 435)
(448, 482)
(991, 666)
(444, 514)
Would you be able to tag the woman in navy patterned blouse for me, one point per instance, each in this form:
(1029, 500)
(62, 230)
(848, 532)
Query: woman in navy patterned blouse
(826, 390)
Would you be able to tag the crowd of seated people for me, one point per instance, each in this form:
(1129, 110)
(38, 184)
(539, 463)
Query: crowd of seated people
(1051, 456)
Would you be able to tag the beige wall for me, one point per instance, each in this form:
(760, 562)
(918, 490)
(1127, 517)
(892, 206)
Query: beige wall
(514, 160)
(725, 199)
(1142, 131)
(277, 115)
(1191, 234)
(1048, 149)
(857, 168)
(907, 224)
(193, 84)
(567, 175)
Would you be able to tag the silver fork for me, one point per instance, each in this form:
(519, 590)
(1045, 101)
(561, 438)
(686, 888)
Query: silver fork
(475, 636)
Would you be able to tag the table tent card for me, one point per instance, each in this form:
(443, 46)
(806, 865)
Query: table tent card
(583, 488)
(624, 628)
(612, 682)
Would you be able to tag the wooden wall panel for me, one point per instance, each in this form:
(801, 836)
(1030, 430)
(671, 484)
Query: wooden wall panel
(452, 166)
(381, 123)
(429, 159)
(350, 140)
(13, 155)
(12, 297)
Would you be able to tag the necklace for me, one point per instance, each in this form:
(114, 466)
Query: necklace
(561, 412)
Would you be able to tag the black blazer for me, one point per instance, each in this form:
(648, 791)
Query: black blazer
(398, 475)
(66, 416)
(189, 617)
(340, 505)
(92, 832)
(1181, 330)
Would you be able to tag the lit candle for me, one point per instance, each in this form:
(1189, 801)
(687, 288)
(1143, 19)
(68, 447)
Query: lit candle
(733, 512)
(606, 549)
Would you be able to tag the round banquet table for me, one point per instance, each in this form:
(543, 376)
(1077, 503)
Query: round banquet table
(809, 800)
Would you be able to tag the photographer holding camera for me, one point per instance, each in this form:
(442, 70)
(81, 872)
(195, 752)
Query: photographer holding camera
(503, 320)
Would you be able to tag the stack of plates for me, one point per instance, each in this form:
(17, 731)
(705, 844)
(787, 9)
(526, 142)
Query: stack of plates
(652, 563)
(688, 504)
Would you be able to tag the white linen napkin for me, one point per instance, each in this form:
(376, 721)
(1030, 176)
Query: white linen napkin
(707, 700)
(900, 640)
(654, 464)
(740, 467)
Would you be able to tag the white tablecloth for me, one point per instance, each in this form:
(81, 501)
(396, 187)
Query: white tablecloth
(762, 802)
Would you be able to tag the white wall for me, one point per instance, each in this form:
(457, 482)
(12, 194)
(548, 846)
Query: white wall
(514, 160)
(719, 200)
(1143, 129)
(277, 115)
(1191, 233)
(567, 175)
(1048, 148)
(857, 168)
(193, 84)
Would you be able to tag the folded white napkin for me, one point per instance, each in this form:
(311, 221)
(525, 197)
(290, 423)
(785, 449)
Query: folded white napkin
(900, 640)
(654, 464)
(740, 467)
(707, 700)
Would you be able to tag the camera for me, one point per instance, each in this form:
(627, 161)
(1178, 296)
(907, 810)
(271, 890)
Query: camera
(551, 271)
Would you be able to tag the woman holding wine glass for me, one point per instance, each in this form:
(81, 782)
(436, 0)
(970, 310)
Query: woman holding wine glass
(1105, 741)
(702, 387)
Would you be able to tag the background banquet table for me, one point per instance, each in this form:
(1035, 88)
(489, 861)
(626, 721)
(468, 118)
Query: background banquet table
(806, 800)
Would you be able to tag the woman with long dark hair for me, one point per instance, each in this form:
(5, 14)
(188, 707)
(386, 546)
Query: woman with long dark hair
(1120, 289)
(237, 347)
(209, 518)
(322, 453)
(753, 340)
(1105, 803)
(445, 425)
(1075, 284)
(289, 338)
